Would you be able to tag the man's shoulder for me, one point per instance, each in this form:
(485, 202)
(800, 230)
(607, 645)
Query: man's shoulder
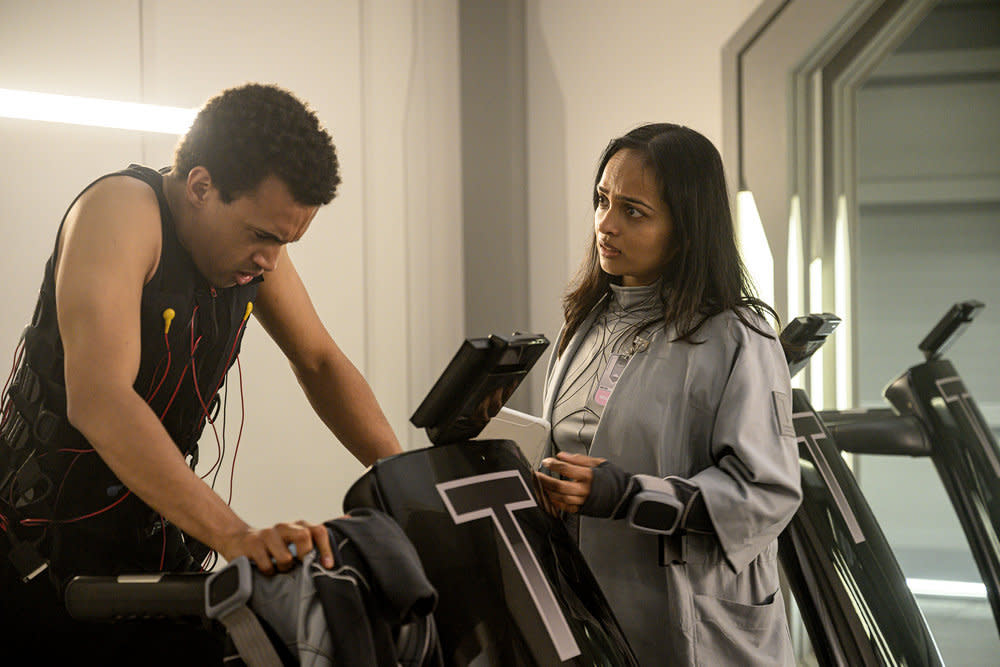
(117, 214)
(118, 199)
(122, 189)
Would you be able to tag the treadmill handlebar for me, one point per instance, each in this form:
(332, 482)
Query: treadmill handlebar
(878, 431)
(144, 596)
(949, 328)
(803, 336)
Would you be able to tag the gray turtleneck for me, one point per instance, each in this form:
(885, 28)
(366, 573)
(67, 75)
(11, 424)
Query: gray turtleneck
(628, 313)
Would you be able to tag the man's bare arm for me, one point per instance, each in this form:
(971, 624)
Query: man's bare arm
(335, 388)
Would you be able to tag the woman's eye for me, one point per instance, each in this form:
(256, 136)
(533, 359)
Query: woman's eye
(633, 212)
(602, 201)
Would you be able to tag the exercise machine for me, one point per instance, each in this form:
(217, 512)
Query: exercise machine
(934, 415)
(846, 582)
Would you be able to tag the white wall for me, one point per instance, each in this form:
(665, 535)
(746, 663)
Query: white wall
(383, 261)
(595, 70)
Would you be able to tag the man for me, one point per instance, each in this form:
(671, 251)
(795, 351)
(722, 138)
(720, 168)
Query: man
(141, 312)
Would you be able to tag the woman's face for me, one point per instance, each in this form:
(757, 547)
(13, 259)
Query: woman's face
(632, 223)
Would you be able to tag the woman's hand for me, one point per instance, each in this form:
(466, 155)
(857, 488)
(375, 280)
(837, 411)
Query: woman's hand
(571, 492)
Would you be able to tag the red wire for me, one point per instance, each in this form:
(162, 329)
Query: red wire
(38, 522)
(184, 373)
(62, 483)
(201, 401)
(204, 410)
(232, 350)
(163, 551)
(239, 436)
(152, 379)
(4, 403)
(194, 343)
(218, 445)
(166, 371)
(229, 359)
(18, 352)
(174, 395)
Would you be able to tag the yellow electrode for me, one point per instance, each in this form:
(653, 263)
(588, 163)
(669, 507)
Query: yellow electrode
(246, 315)
(168, 317)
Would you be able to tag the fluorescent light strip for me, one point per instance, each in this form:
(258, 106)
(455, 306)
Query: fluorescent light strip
(947, 589)
(94, 112)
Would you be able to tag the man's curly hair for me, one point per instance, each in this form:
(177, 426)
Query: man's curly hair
(247, 133)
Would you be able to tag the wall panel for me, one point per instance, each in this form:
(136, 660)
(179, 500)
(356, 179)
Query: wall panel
(342, 58)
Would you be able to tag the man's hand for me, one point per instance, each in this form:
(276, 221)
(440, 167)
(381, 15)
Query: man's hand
(268, 548)
(571, 492)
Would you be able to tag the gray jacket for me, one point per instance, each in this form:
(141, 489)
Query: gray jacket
(719, 416)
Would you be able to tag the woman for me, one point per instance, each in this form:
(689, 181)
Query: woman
(673, 452)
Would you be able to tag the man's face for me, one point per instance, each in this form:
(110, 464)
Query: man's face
(233, 243)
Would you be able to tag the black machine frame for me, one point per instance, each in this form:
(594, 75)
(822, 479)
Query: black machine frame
(933, 414)
(849, 588)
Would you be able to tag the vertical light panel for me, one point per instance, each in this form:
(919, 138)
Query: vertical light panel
(842, 300)
(796, 253)
(816, 306)
(796, 275)
(754, 247)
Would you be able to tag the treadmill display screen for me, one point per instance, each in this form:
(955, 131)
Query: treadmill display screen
(475, 385)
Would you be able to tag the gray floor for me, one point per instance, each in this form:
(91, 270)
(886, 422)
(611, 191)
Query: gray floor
(963, 628)
(965, 631)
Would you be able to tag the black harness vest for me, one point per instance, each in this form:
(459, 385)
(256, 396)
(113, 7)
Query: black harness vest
(50, 477)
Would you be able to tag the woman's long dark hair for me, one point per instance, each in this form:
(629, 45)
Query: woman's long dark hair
(704, 275)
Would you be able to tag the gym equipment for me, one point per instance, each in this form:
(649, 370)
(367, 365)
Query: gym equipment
(933, 414)
(512, 586)
(514, 589)
(850, 591)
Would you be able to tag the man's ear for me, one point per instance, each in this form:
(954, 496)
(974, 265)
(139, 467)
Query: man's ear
(198, 186)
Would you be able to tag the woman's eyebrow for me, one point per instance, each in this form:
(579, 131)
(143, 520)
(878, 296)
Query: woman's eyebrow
(627, 198)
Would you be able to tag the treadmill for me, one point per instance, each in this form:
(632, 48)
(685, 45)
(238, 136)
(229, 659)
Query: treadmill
(849, 588)
(934, 415)
(513, 587)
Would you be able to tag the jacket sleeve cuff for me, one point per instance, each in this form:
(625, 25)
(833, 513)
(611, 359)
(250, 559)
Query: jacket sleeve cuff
(696, 518)
(609, 492)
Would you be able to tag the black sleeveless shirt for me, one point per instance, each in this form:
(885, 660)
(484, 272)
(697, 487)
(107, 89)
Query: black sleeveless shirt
(81, 516)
